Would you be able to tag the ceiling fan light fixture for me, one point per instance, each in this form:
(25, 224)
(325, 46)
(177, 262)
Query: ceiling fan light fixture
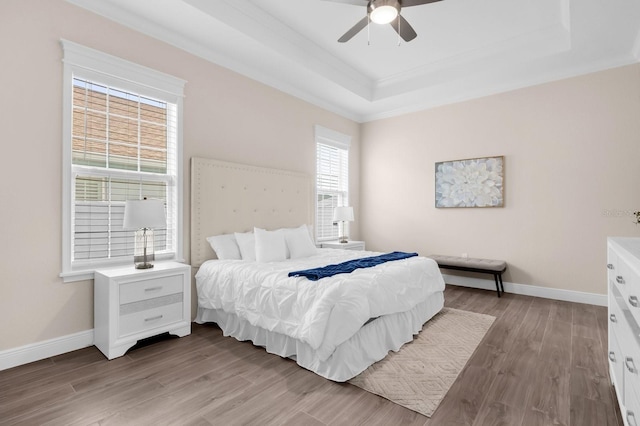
(383, 11)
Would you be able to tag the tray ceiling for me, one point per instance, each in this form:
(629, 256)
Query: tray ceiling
(464, 49)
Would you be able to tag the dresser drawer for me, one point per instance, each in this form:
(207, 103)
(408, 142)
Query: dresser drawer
(612, 264)
(623, 277)
(616, 362)
(630, 289)
(631, 364)
(150, 288)
(616, 316)
(631, 414)
(149, 319)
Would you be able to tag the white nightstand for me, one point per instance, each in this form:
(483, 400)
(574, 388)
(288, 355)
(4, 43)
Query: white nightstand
(351, 245)
(132, 304)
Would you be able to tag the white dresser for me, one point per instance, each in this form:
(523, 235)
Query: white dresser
(132, 304)
(623, 265)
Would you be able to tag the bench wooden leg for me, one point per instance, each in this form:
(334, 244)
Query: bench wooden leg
(501, 284)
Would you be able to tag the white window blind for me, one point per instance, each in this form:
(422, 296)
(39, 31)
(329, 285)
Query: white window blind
(123, 147)
(332, 180)
(123, 142)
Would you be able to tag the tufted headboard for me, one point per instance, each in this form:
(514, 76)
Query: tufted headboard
(229, 197)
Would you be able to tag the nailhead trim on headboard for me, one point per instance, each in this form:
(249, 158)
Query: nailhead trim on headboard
(229, 197)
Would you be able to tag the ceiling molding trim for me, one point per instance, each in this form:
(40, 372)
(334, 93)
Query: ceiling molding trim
(159, 32)
(546, 41)
(499, 87)
(255, 23)
(330, 89)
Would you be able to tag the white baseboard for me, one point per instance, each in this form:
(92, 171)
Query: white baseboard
(529, 290)
(36, 351)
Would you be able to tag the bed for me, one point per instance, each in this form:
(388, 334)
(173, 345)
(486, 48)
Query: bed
(336, 326)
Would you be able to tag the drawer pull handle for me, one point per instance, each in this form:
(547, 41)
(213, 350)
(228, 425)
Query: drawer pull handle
(610, 266)
(631, 419)
(634, 301)
(619, 279)
(153, 288)
(612, 356)
(157, 317)
(631, 366)
(612, 318)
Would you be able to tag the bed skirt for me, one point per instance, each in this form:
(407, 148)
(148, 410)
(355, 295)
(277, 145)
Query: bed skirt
(370, 344)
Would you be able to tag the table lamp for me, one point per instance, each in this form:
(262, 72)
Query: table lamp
(343, 214)
(143, 216)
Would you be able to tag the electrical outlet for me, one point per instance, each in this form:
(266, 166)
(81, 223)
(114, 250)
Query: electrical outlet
(465, 255)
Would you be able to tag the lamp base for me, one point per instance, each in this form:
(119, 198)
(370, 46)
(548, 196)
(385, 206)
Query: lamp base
(144, 265)
(143, 255)
(343, 240)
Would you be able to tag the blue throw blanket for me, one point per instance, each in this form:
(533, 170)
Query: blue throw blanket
(349, 266)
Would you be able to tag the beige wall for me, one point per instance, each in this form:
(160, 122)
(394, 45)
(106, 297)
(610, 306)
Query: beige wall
(226, 116)
(572, 152)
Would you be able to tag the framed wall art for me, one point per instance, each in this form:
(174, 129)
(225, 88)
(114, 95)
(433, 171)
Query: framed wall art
(475, 182)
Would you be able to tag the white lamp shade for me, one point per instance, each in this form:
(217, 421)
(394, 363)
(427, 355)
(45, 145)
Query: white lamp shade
(343, 214)
(144, 214)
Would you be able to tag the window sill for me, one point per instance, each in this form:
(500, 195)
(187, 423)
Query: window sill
(69, 277)
(87, 274)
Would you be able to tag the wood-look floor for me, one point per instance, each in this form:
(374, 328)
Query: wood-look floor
(543, 362)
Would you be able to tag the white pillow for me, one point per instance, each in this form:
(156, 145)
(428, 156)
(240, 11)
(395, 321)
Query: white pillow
(247, 244)
(299, 242)
(270, 245)
(309, 228)
(225, 246)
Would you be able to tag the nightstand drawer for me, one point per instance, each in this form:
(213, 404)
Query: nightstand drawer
(150, 288)
(150, 319)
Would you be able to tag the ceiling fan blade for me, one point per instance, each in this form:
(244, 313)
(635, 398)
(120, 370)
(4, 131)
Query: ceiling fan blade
(405, 29)
(353, 2)
(354, 30)
(408, 3)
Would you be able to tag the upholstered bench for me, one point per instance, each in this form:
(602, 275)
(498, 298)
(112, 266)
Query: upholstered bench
(483, 266)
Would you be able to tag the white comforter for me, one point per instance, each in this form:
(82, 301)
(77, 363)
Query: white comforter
(321, 313)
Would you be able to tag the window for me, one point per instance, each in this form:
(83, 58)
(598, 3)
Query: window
(332, 180)
(122, 140)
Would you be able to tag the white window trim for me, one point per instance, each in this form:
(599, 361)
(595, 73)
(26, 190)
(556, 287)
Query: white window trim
(331, 137)
(89, 63)
(336, 139)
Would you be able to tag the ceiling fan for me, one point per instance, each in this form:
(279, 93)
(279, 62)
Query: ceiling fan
(383, 12)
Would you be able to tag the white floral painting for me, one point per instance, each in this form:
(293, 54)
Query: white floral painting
(477, 182)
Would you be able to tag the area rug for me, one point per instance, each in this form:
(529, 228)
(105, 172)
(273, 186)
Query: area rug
(421, 373)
